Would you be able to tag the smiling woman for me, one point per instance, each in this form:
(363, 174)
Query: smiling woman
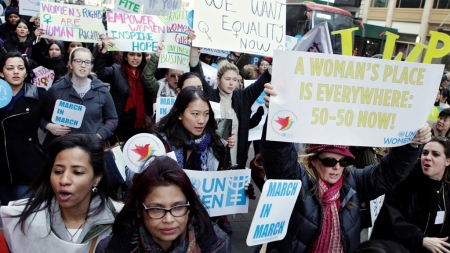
(71, 205)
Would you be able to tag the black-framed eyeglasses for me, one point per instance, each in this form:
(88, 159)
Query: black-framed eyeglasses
(80, 62)
(331, 162)
(159, 212)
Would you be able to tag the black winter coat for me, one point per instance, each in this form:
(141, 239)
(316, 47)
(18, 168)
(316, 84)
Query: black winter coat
(280, 162)
(409, 212)
(241, 102)
(13, 44)
(21, 155)
(57, 64)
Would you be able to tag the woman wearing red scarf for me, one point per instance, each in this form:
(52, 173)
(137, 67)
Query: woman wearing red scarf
(126, 89)
(326, 214)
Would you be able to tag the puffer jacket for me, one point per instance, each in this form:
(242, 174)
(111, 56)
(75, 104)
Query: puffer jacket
(280, 161)
(100, 116)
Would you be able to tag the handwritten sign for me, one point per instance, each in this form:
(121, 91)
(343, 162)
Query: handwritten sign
(135, 32)
(161, 7)
(271, 219)
(68, 114)
(44, 77)
(175, 54)
(163, 106)
(71, 22)
(30, 7)
(221, 192)
(216, 52)
(334, 99)
(5, 93)
(255, 27)
(128, 6)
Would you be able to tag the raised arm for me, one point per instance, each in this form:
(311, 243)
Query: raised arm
(104, 73)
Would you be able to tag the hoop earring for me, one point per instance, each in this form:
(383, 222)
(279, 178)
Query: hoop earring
(94, 190)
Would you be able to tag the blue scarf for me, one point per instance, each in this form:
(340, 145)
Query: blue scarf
(13, 101)
(199, 149)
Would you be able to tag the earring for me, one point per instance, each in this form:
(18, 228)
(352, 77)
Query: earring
(94, 189)
(179, 118)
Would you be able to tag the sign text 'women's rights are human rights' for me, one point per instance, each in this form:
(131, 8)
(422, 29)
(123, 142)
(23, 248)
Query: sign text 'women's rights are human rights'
(335, 99)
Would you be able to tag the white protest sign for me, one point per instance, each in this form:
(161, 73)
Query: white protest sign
(176, 52)
(44, 77)
(71, 22)
(290, 42)
(135, 32)
(254, 27)
(216, 52)
(222, 192)
(30, 7)
(139, 148)
(271, 219)
(68, 114)
(128, 6)
(210, 74)
(161, 7)
(255, 133)
(346, 100)
(163, 106)
(375, 208)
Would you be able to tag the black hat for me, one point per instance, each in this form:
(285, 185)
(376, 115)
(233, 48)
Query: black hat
(444, 78)
(10, 11)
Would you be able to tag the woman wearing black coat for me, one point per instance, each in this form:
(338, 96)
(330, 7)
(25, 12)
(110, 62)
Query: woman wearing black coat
(21, 39)
(21, 154)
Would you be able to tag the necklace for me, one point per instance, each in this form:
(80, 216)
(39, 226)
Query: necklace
(72, 236)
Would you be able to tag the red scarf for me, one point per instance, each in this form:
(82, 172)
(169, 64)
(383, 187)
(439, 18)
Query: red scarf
(136, 97)
(330, 237)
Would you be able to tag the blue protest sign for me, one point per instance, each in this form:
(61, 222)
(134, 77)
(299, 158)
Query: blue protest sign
(5, 93)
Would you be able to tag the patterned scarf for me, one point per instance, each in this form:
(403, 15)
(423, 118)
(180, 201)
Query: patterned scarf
(180, 245)
(330, 237)
(136, 97)
(199, 149)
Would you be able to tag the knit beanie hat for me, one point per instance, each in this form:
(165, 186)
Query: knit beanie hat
(10, 11)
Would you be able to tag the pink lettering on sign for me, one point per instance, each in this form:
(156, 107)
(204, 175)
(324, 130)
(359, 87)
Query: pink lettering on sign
(62, 10)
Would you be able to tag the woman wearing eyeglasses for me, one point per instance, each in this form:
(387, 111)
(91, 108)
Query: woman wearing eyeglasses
(81, 87)
(415, 214)
(326, 215)
(164, 214)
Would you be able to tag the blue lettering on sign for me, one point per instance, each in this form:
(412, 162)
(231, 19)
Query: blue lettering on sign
(398, 140)
(224, 192)
(66, 121)
(167, 101)
(70, 106)
(281, 189)
(266, 230)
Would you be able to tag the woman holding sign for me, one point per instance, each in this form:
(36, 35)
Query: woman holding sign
(415, 214)
(164, 214)
(326, 215)
(126, 89)
(21, 155)
(71, 207)
(77, 90)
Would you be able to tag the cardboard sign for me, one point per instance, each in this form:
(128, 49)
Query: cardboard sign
(216, 52)
(129, 6)
(68, 114)
(139, 148)
(30, 7)
(290, 42)
(221, 192)
(176, 52)
(71, 22)
(44, 77)
(163, 106)
(254, 27)
(161, 7)
(256, 132)
(271, 219)
(5, 93)
(346, 100)
(135, 32)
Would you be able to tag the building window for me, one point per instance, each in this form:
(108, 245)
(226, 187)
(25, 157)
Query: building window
(441, 4)
(410, 3)
(380, 3)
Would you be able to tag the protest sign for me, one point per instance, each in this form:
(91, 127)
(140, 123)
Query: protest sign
(30, 7)
(271, 219)
(316, 40)
(358, 101)
(129, 6)
(5, 93)
(163, 106)
(161, 7)
(139, 148)
(256, 132)
(210, 74)
(68, 114)
(134, 32)
(222, 192)
(44, 77)
(215, 52)
(71, 22)
(254, 27)
(290, 42)
(176, 52)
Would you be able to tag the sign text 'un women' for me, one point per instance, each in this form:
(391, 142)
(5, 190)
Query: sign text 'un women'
(273, 212)
(135, 32)
(222, 192)
(253, 26)
(335, 99)
(68, 114)
(71, 22)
